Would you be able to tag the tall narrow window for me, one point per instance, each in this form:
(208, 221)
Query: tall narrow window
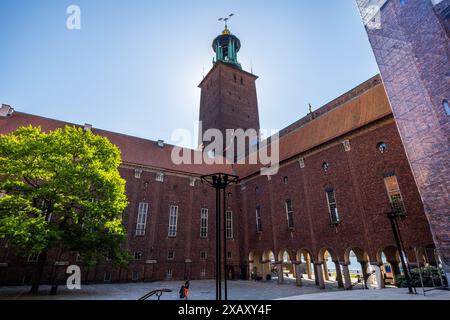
(289, 214)
(107, 276)
(33, 257)
(141, 219)
(204, 223)
(229, 224)
(173, 217)
(446, 107)
(332, 207)
(258, 220)
(395, 196)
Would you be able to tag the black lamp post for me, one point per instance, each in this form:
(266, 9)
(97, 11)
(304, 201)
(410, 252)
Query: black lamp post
(393, 215)
(220, 182)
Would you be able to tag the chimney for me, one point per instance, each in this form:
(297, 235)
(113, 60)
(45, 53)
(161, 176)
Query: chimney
(6, 111)
(161, 143)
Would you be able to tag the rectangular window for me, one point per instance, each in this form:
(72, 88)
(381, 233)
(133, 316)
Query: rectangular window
(203, 255)
(33, 257)
(138, 255)
(229, 255)
(169, 274)
(203, 273)
(107, 277)
(135, 276)
(289, 214)
(332, 207)
(137, 173)
(229, 224)
(173, 218)
(203, 223)
(170, 255)
(141, 219)
(258, 220)
(159, 177)
(395, 196)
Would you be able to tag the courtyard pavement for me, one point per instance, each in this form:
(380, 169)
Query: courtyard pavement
(205, 290)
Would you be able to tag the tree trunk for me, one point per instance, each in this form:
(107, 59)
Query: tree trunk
(38, 273)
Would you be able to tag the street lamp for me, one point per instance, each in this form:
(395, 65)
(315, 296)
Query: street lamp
(392, 216)
(220, 182)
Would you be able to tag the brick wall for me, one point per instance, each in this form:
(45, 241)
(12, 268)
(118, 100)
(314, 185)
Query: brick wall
(412, 50)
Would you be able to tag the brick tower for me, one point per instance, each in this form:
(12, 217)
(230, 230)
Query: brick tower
(228, 93)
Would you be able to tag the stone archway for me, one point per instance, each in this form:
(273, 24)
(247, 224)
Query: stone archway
(388, 258)
(255, 266)
(305, 259)
(327, 268)
(268, 264)
(285, 264)
(426, 256)
(357, 265)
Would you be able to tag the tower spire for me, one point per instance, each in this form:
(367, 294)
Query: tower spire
(226, 45)
(226, 31)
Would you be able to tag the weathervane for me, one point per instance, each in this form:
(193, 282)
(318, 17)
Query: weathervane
(226, 19)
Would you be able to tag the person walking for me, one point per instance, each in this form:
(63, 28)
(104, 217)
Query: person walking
(186, 290)
(181, 292)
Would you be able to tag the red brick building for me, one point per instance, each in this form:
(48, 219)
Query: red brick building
(340, 168)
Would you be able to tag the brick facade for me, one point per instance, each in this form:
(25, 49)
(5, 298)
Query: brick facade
(413, 52)
(361, 118)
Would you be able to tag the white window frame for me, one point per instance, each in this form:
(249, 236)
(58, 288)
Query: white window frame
(258, 220)
(169, 274)
(170, 255)
(289, 214)
(138, 173)
(141, 221)
(331, 205)
(159, 176)
(173, 221)
(229, 224)
(203, 223)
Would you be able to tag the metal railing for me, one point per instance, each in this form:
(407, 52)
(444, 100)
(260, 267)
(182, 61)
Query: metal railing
(157, 292)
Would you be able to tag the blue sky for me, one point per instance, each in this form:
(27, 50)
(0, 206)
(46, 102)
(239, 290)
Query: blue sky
(135, 65)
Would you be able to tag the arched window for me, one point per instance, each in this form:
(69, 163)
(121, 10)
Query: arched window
(325, 166)
(446, 107)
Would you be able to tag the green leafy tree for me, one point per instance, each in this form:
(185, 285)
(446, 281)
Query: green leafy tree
(61, 190)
